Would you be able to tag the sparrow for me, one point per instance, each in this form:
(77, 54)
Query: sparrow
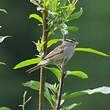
(57, 56)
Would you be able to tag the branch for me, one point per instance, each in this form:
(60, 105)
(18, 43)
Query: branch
(42, 73)
(61, 83)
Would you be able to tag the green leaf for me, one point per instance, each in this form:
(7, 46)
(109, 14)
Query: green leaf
(76, 15)
(48, 97)
(3, 10)
(35, 2)
(39, 45)
(47, 3)
(54, 5)
(51, 42)
(32, 84)
(27, 63)
(73, 29)
(63, 3)
(37, 17)
(103, 90)
(2, 63)
(90, 50)
(79, 74)
(55, 71)
(71, 7)
(35, 85)
(71, 107)
(4, 108)
(2, 38)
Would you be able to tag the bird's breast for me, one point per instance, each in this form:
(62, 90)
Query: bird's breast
(68, 52)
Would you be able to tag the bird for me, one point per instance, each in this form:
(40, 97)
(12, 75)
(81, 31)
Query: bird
(57, 56)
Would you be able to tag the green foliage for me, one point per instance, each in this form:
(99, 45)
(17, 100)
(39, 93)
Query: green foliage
(39, 46)
(4, 108)
(71, 107)
(71, 7)
(54, 5)
(2, 63)
(55, 71)
(75, 15)
(2, 38)
(63, 3)
(51, 42)
(50, 96)
(32, 84)
(60, 13)
(102, 90)
(73, 29)
(27, 63)
(90, 50)
(35, 85)
(37, 17)
(4, 11)
(79, 74)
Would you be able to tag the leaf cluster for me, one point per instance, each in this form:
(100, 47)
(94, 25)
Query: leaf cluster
(60, 13)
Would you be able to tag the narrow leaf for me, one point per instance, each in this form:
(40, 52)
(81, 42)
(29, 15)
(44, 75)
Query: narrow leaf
(76, 15)
(90, 50)
(34, 2)
(103, 90)
(2, 63)
(51, 42)
(79, 74)
(73, 29)
(48, 97)
(27, 63)
(3, 10)
(71, 7)
(63, 3)
(32, 84)
(4, 108)
(37, 17)
(55, 71)
(71, 107)
(54, 5)
(47, 3)
(2, 38)
(35, 85)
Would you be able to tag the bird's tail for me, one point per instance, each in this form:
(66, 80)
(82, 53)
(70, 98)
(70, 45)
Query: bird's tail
(42, 63)
(33, 69)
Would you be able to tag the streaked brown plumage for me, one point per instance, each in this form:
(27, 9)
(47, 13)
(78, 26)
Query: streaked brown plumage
(57, 56)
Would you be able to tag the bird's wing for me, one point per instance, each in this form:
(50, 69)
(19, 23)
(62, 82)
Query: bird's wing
(56, 51)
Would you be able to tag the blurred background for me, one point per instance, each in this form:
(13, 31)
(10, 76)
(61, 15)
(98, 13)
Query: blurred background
(94, 32)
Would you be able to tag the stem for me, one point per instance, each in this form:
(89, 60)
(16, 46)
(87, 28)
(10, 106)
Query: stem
(41, 91)
(42, 73)
(59, 95)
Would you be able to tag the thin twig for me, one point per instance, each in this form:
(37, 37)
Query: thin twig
(61, 83)
(25, 101)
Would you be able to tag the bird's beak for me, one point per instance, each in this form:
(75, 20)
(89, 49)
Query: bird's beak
(76, 42)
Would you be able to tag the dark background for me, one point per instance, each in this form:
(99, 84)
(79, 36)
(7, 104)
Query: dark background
(94, 32)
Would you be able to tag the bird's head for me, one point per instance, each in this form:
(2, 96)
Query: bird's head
(71, 42)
